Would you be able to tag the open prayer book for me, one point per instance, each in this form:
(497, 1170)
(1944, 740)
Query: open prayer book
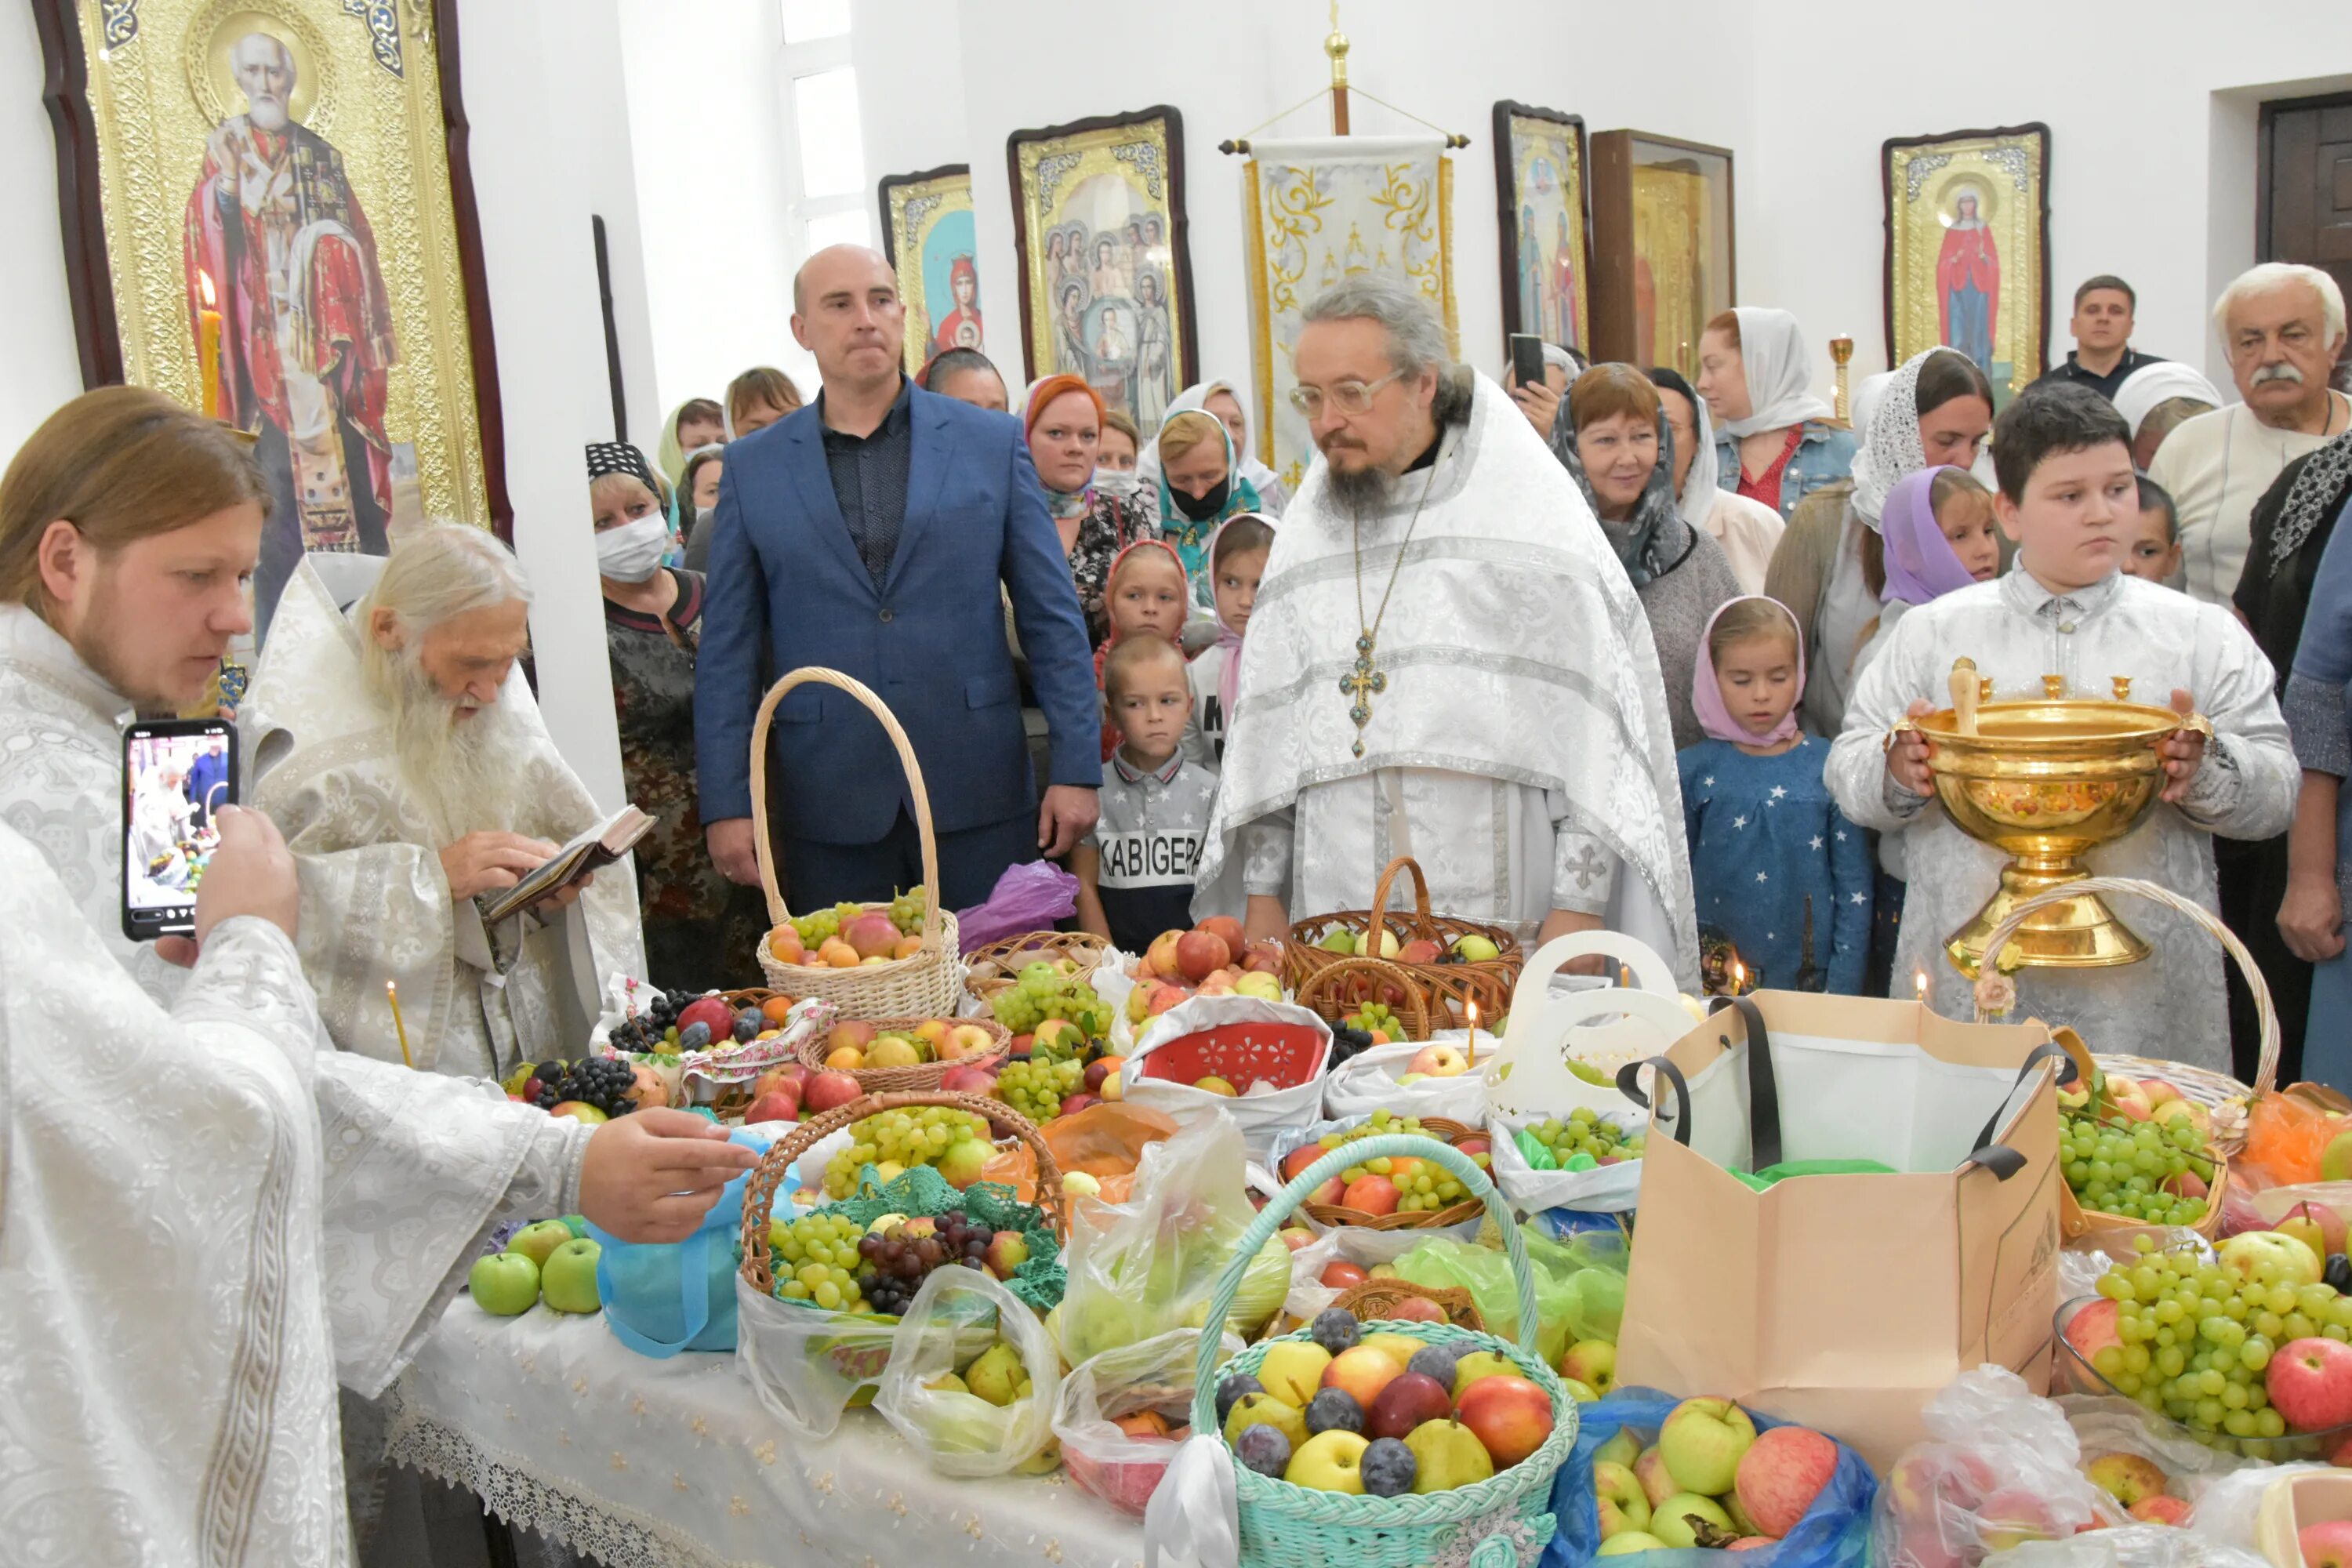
(599, 846)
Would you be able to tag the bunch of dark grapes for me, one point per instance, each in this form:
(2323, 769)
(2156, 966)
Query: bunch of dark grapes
(644, 1032)
(601, 1081)
(893, 1264)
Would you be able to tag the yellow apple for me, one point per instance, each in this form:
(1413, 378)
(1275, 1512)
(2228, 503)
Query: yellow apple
(1330, 1462)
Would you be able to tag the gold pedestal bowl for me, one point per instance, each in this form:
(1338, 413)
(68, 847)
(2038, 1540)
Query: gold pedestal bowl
(2048, 781)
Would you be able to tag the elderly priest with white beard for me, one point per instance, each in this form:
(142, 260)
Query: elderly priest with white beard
(400, 752)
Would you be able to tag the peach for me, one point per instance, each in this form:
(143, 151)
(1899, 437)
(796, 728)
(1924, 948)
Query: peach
(906, 946)
(1370, 1194)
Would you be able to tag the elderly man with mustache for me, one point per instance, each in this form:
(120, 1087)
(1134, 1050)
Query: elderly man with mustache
(2284, 326)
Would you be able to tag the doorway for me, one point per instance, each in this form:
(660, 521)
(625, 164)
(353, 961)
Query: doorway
(2304, 201)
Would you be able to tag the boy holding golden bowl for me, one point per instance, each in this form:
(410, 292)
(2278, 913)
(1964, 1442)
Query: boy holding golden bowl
(2066, 621)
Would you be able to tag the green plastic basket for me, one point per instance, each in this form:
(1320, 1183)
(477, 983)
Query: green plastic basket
(1506, 1520)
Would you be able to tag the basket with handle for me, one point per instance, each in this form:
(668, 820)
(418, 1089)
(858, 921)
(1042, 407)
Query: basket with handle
(922, 1075)
(1335, 989)
(1451, 987)
(996, 966)
(1506, 1518)
(927, 983)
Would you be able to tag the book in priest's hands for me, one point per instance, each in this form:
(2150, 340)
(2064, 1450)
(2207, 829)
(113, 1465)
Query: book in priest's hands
(599, 846)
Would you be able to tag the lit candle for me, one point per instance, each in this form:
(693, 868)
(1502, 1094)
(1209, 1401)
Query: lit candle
(392, 995)
(1472, 1007)
(208, 346)
(1738, 978)
(1919, 985)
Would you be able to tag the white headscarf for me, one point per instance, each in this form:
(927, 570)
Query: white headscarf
(1891, 448)
(1196, 397)
(1697, 501)
(2136, 398)
(1779, 373)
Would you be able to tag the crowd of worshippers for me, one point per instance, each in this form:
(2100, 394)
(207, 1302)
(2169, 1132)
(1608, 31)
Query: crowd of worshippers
(1617, 649)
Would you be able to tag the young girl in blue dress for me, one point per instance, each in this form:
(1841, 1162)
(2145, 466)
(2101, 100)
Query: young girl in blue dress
(1776, 866)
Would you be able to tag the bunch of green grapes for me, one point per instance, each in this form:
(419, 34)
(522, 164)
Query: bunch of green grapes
(1421, 1183)
(2134, 1172)
(2195, 1337)
(817, 1260)
(907, 910)
(1585, 1133)
(1035, 1088)
(894, 1142)
(814, 928)
(1043, 993)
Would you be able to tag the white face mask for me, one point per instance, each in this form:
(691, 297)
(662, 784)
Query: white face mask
(703, 514)
(1120, 482)
(631, 552)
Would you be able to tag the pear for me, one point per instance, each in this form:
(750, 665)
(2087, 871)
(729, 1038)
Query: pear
(995, 1374)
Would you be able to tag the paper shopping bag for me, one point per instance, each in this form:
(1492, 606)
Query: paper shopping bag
(1843, 1301)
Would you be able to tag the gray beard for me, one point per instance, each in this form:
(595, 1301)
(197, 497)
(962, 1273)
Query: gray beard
(266, 113)
(1361, 492)
(465, 774)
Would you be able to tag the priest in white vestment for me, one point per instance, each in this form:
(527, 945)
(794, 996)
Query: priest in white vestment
(1446, 661)
(399, 750)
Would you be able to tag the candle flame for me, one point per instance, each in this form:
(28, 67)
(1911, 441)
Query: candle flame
(1739, 976)
(1919, 983)
(205, 282)
(1473, 1008)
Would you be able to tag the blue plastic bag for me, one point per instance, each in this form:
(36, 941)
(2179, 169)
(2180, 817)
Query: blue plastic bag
(1835, 1533)
(663, 1298)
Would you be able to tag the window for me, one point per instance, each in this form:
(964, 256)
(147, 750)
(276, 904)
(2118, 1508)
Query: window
(830, 198)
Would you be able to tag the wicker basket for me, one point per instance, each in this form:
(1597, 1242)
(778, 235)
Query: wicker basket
(1505, 1519)
(922, 1075)
(1436, 1126)
(1451, 987)
(930, 983)
(733, 1099)
(760, 1194)
(1337, 989)
(995, 966)
(1377, 1299)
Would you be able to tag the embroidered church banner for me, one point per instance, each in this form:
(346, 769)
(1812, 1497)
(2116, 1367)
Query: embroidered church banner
(1316, 211)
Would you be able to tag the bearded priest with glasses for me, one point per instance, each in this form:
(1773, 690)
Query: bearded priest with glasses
(1446, 660)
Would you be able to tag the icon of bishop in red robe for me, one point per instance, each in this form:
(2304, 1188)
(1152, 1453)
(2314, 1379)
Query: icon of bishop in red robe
(306, 334)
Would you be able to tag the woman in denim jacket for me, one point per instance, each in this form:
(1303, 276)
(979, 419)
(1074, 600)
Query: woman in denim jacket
(1776, 441)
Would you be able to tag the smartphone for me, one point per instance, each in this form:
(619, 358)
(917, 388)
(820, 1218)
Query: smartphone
(176, 775)
(1527, 359)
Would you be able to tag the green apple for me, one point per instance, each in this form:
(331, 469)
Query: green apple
(1330, 1462)
(1622, 1449)
(1592, 1363)
(1578, 1392)
(504, 1284)
(1265, 1410)
(2335, 1160)
(1623, 1505)
(568, 1282)
(1702, 1442)
(1447, 1455)
(1478, 1365)
(1672, 1520)
(1341, 940)
(536, 1241)
(1293, 1370)
(1631, 1542)
(1476, 949)
(2270, 1257)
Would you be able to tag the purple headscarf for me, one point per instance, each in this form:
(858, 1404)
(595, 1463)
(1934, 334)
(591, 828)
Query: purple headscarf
(1920, 563)
(1707, 693)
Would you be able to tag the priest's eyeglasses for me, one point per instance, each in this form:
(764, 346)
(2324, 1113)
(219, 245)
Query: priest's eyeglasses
(1347, 396)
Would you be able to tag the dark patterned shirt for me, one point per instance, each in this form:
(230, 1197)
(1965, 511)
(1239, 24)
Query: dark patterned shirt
(869, 480)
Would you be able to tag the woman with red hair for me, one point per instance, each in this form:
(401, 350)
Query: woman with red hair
(1064, 418)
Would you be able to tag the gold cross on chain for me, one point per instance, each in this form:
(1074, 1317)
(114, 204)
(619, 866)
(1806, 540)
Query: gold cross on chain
(1360, 685)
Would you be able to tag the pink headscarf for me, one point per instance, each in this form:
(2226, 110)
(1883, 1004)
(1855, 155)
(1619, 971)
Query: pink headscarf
(1229, 679)
(1920, 562)
(1706, 697)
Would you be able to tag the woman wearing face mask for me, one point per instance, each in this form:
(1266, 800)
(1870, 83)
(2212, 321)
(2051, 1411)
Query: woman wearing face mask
(1064, 416)
(697, 503)
(1218, 397)
(1200, 486)
(1933, 411)
(701, 930)
(1616, 443)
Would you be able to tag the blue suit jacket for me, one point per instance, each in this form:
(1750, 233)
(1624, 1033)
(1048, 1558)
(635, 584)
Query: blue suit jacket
(786, 588)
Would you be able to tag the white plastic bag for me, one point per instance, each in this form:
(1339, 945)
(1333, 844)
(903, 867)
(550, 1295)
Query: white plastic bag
(804, 1362)
(2128, 1546)
(1155, 1376)
(1367, 1082)
(1259, 1115)
(1605, 1189)
(2002, 1463)
(961, 1313)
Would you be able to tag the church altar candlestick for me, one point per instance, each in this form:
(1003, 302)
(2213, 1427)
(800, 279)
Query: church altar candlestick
(1840, 353)
(208, 347)
(392, 995)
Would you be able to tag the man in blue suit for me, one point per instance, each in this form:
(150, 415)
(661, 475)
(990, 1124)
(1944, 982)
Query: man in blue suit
(868, 532)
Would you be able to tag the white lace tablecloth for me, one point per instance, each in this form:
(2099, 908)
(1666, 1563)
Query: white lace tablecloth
(641, 1462)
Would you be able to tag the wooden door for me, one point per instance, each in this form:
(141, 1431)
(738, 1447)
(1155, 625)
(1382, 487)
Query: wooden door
(2304, 210)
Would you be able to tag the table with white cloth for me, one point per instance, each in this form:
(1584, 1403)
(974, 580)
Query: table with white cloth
(636, 1461)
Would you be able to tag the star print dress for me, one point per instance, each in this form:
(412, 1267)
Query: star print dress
(1767, 846)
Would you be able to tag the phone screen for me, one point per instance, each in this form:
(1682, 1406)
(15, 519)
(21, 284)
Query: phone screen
(1527, 359)
(176, 776)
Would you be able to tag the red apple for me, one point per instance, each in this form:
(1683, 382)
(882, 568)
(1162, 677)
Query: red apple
(1406, 1404)
(1262, 958)
(1225, 927)
(775, 1106)
(1420, 949)
(712, 1011)
(795, 1077)
(2328, 1544)
(1469, 1146)
(872, 934)
(965, 1078)
(1074, 1103)
(2092, 1328)
(1781, 1474)
(2310, 1383)
(1417, 1310)
(1510, 1416)
(1161, 955)
(2161, 1508)
(1299, 1159)
(1370, 1194)
(1199, 954)
(829, 1089)
(1164, 998)
(1341, 1275)
(1296, 1236)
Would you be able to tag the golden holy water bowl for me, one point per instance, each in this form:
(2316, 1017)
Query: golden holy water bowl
(2047, 781)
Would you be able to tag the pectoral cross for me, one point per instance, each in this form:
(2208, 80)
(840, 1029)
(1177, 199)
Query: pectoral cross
(1361, 684)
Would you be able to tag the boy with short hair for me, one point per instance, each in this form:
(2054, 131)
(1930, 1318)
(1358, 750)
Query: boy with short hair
(2069, 501)
(1135, 870)
(2152, 550)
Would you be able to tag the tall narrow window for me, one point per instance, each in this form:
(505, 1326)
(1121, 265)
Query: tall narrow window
(830, 199)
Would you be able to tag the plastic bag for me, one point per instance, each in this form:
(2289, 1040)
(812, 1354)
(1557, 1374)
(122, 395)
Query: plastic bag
(2285, 1135)
(1834, 1533)
(1155, 1376)
(1029, 897)
(1149, 1265)
(806, 1366)
(1246, 1041)
(957, 1321)
(1579, 1284)
(2001, 1467)
(2226, 1510)
(1104, 1141)
(2127, 1546)
(1605, 1189)
(1367, 1082)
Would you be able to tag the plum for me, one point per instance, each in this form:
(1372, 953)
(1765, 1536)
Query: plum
(1232, 1389)
(1334, 1409)
(1387, 1467)
(1265, 1450)
(1336, 1329)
